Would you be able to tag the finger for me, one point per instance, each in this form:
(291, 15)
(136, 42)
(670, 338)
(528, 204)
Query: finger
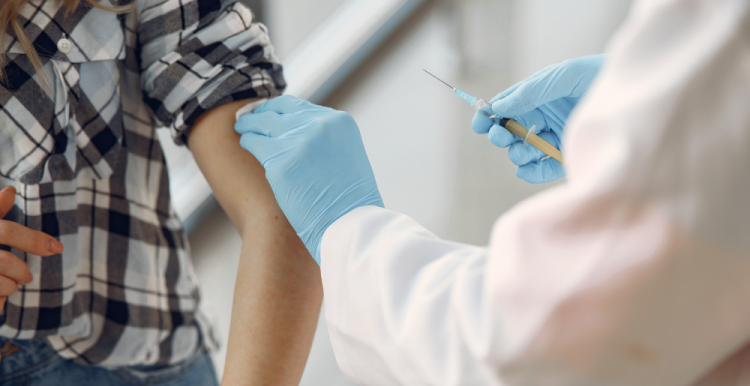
(8, 286)
(3, 299)
(540, 123)
(481, 123)
(13, 267)
(521, 153)
(262, 147)
(539, 172)
(536, 119)
(28, 240)
(7, 199)
(269, 124)
(501, 137)
(286, 104)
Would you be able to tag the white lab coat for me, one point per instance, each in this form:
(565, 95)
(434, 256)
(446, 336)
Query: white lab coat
(634, 272)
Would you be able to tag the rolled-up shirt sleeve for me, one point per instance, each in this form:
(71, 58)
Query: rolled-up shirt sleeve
(199, 54)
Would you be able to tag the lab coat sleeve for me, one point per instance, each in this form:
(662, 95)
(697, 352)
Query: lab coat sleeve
(633, 272)
(398, 312)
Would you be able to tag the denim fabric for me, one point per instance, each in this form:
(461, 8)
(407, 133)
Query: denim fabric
(36, 364)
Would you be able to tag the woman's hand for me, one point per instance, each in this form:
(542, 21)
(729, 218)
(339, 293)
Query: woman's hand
(14, 271)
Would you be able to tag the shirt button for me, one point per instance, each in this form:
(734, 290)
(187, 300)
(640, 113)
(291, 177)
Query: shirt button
(64, 45)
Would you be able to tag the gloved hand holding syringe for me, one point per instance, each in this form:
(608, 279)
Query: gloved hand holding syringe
(510, 124)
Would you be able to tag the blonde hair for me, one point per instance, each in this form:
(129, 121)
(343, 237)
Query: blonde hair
(9, 11)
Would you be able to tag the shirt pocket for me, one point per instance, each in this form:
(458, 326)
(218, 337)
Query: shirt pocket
(74, 124)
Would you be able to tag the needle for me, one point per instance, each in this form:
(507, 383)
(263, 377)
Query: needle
(441, 81)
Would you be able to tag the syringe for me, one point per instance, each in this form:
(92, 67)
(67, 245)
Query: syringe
(510, 124)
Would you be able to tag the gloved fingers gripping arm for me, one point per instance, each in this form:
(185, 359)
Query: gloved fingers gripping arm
(258, 130)
(267, 124)
(315, 162)
(287, 104)
(268, 118)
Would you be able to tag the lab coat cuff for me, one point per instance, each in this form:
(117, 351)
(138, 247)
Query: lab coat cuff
(335, 249)
(334, 241)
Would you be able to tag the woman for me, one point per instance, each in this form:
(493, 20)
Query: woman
(98, 280)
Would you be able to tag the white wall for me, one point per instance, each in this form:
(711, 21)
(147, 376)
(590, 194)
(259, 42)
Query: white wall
(549, 31)
(407, 118)
(291, 21)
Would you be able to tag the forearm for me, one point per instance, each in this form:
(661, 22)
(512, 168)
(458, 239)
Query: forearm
(278, 291)
(276, 305)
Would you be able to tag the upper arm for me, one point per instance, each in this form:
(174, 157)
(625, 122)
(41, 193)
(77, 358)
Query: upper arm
(277, 293)
(238, 180)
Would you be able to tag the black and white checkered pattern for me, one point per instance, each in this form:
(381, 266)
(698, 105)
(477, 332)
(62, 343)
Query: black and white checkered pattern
(85, 159)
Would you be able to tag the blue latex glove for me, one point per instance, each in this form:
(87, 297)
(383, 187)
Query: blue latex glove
(545, 99)
(315, 162)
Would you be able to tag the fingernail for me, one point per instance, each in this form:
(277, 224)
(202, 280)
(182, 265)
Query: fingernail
(54, 246)
(29, 278)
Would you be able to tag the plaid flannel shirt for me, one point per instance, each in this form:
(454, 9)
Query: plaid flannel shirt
(89, 170)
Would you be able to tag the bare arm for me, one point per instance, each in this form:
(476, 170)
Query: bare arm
(278, 293)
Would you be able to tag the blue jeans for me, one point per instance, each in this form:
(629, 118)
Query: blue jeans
(36, 364)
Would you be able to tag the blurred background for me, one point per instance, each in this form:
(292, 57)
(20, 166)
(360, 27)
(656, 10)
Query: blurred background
(366, 57)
